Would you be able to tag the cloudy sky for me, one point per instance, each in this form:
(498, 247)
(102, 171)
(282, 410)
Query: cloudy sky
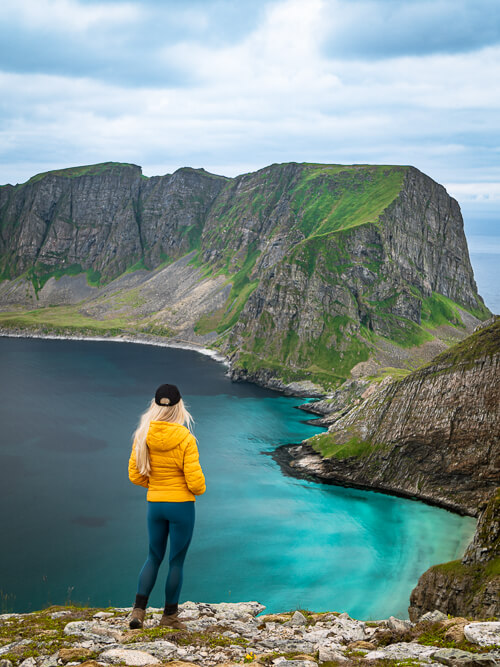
(234, 85)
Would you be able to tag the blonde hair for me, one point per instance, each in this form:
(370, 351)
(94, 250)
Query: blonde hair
(177, 414)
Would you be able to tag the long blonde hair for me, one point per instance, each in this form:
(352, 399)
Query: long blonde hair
(177, 414)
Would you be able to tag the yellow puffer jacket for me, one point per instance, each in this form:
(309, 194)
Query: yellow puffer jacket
(176, 474)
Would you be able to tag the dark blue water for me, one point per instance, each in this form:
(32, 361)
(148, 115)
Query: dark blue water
(73, 527)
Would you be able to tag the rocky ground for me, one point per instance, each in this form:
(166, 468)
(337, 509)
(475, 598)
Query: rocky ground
(228, 634)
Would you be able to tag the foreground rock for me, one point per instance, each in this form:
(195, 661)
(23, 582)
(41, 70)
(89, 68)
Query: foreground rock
(231, 634)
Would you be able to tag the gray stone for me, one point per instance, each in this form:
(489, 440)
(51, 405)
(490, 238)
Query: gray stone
(403, 651)
(129, 657)
(397, 624)
(103, 614)
(484, 634)
(29, 662)
(5, 663)
(93, 630)
(454, 656)
(7, 648)
(61, 614)
(347, 630)
(433, 616)
(162, 649)
(283, 662)
(298, 619)
(327, 653)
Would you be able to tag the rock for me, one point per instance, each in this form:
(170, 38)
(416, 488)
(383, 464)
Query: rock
(181, 663)
(433, 616)
(7, 648)
(60, 614)
(329, 653)
(455, 631)
(160, 648)
(131, 657)
(93, 630)
(484, 634)
(455, 657)
(29, 662)
(368, 646)
(403, 651)
(397, 624)
(298, 619)
(283, 662)
(69, 654)
(50, 661)
(90, 663)
(5, 663)
(347, 630)
(103, 614)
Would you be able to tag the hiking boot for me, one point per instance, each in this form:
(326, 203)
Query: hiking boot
(137, 618)
(172, 621)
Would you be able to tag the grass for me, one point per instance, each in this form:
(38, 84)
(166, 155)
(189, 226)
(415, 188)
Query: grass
(330, 199)
(85, 170)
(438, 310)
(481, 344)
(61, 320)
(355, 447)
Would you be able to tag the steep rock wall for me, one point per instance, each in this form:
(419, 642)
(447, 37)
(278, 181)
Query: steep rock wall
(434, 435)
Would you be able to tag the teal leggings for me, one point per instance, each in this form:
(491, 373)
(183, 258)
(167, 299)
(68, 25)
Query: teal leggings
(164, 519)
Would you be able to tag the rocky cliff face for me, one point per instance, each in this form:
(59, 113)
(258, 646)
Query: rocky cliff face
(302, 270)
(103, 218)
(433, 435)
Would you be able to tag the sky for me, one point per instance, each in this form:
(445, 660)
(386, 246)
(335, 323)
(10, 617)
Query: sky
(235, 85)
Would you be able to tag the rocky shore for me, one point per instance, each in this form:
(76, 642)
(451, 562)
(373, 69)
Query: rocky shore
(228, 634)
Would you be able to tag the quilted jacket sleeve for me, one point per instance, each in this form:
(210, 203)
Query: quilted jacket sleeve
(192, 469)
(133, 474)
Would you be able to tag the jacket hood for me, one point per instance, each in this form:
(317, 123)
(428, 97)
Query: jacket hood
(166, 435)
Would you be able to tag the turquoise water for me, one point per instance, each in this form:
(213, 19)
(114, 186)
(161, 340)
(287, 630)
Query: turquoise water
(73, 526)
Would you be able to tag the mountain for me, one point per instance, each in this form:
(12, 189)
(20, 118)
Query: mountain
(432, 435)
(297, 272)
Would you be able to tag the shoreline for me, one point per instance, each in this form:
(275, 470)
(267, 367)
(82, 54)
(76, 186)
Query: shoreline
(281, 455)
(155, 341)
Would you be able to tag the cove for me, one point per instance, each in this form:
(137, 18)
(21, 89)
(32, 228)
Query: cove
(73, 527)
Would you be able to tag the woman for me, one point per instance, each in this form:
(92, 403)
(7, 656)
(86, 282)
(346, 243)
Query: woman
(164, 459)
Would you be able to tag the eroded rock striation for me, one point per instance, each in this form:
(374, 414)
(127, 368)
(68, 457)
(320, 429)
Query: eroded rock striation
(297, 272)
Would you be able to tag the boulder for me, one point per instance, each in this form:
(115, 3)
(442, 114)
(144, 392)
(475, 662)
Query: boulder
(485, 634)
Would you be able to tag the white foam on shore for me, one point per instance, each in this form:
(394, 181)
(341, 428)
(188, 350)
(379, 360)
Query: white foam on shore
(127, 339)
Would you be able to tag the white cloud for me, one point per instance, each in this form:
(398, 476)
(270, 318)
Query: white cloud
(475, 192)
(272, 96)
(67, 15)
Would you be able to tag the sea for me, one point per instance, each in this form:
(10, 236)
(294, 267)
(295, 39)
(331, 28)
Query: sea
(74, 528)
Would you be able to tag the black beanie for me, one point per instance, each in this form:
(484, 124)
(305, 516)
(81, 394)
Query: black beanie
(167, 391)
